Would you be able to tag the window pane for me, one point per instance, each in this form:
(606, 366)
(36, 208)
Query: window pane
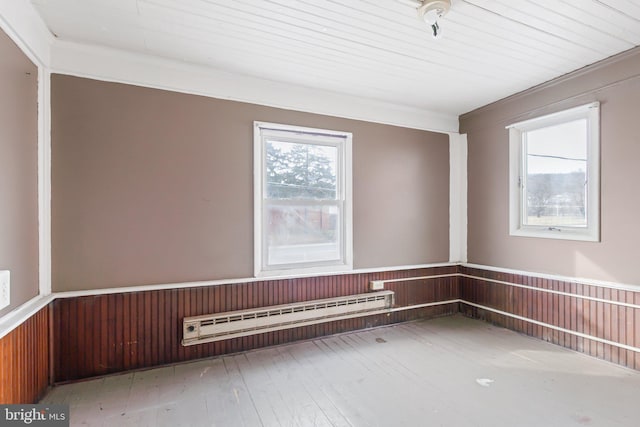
(300, 234)
(301, 171)
(555, 184)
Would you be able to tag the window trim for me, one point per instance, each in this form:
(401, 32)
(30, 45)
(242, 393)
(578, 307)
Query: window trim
(590, 112)
(345, 187)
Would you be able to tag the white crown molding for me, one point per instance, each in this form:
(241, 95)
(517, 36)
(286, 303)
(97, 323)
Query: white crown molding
(114, 65)
(24, 26)
(628, 74)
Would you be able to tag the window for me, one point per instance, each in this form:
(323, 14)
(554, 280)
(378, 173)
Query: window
(302, 195)
(554, 175)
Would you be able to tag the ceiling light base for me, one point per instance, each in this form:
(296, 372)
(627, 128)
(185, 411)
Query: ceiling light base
(432, 10)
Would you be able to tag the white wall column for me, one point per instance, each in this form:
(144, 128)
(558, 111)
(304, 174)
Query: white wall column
(457, 197)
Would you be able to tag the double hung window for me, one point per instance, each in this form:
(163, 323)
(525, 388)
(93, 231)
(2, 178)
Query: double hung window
(302, 199)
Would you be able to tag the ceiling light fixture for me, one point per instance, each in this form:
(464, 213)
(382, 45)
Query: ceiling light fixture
(430, 11)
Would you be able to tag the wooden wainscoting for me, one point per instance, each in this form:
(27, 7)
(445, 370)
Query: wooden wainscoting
(24, 360)
(600, 321)
(97, 335)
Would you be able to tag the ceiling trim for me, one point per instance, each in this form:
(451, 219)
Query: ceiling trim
(20, 21)
(115, 65)
(625, 73)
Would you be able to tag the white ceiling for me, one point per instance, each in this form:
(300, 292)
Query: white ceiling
(375, 49)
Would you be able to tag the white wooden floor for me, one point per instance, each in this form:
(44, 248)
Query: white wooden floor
(450, 371)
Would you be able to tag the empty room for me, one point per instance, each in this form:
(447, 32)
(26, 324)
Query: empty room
(319, 212)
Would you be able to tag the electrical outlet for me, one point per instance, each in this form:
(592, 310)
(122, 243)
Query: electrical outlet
(5, 289)
(376, 285)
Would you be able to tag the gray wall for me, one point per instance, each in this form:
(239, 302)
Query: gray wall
(152, 186)
(616, 84)
(18, 171)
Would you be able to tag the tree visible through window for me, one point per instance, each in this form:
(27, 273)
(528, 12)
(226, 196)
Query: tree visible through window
(303, 198)
(300, 170)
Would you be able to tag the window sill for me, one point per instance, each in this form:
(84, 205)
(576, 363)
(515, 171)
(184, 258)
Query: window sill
(304, 271)
(584, 235)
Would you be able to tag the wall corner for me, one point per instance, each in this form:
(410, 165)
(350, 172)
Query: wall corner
(457, 197)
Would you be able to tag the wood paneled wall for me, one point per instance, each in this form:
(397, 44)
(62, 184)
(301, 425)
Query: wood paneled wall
(24, 360)
(613, 316)
(102, 334)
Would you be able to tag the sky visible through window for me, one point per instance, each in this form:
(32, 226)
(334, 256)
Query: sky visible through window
(558, 149)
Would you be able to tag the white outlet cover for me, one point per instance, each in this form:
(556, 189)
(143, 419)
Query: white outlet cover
(5, 288)
(376, 285)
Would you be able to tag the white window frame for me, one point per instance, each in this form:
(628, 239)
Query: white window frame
(517, 169)
(344, 183)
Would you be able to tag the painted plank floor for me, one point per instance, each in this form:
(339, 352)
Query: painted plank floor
(451, 371)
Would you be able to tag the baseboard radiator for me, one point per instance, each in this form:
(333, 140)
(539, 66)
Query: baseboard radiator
(234, 324)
